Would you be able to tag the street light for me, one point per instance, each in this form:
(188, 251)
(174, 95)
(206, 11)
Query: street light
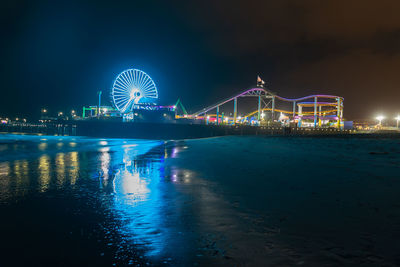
(380, 119)
(397, 120)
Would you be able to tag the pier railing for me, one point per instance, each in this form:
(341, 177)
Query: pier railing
(144, 130)
(40, 128)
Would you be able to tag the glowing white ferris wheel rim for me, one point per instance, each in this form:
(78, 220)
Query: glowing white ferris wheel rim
(132, 87)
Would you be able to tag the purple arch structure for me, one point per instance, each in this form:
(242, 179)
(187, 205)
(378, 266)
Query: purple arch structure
(262, 92)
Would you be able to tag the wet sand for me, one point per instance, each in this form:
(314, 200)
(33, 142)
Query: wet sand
(230, 201)
(303, 201)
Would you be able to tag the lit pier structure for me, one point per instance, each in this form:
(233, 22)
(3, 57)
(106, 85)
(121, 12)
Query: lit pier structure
(134, 97)
(309, 111)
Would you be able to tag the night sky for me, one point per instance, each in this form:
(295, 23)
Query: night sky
(57, 54)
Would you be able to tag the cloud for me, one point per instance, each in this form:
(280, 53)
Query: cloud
(347, 48)
(250, 26)
(368, 81)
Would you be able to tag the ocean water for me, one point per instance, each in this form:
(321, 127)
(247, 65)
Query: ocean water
(230, 201)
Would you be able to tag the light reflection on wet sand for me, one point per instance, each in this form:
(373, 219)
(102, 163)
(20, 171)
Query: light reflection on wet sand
(136, 205)
(169, 214)
(60, 169)
(5, 185)
(73, 167)
(44, 171)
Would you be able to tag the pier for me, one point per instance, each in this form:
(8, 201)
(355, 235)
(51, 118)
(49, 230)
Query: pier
(164, 131)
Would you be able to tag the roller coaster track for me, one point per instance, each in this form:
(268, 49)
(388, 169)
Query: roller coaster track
(263, 93)
(290, 112)
(297, 112)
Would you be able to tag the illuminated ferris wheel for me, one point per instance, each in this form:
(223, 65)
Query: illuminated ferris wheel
(133, 88)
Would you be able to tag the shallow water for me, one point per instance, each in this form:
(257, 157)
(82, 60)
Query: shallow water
(218, 201)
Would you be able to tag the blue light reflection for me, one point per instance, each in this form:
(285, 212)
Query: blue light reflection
(139, 194)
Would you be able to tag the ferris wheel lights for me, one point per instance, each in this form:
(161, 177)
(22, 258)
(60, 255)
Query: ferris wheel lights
(133, 87)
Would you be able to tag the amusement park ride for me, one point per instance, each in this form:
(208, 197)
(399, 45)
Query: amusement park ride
(134, 93)
(325, 109)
